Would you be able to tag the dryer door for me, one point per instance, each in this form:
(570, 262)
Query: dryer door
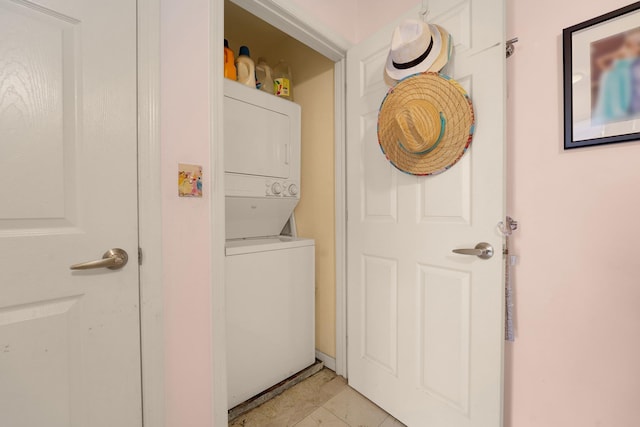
(262, 134)
(256, 140)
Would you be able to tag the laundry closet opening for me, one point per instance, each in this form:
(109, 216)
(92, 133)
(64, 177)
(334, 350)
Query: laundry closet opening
(313, 89)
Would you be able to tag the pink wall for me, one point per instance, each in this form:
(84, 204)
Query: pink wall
(337, 15)
(372, 15)
(185, 118)
(355, 20)
(576, 360)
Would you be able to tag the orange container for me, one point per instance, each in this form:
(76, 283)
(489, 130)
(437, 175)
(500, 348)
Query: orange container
(230, 71)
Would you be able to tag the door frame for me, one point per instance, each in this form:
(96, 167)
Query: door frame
(152, 343)
(289, 18)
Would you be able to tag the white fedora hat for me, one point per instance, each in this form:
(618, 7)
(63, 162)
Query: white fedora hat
(417, 47)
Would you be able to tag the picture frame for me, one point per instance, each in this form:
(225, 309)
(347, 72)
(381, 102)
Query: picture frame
(601, 76)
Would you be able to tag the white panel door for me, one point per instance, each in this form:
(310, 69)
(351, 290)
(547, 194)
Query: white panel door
(425, 326)
(69, 340)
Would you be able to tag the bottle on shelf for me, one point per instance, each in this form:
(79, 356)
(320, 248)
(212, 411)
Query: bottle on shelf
(246, 68)
(264, 76)
(229, 62)
(282, 80)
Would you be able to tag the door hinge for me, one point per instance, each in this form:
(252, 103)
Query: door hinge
(139, 256)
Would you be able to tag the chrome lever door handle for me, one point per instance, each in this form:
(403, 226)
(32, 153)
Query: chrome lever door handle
(113, 259)
(482, 250)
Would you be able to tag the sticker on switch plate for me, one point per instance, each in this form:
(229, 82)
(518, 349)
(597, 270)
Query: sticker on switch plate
(189, 180)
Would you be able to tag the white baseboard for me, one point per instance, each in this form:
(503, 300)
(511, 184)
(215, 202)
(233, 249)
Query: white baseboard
(329, 361)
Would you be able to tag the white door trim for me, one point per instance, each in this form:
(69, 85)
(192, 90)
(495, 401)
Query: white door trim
(150, 214)
(290, 18)
(340, 171)
(218, 298)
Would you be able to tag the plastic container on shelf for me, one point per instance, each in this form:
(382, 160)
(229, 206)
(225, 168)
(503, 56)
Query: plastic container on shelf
(283, 81)
(246, 68)
(229, 62)
(264, 76)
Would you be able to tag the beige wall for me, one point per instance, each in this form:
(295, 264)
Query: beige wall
(315, 215)
(314, 90)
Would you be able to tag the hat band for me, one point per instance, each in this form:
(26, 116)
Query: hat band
(418, 60)
(443, 123)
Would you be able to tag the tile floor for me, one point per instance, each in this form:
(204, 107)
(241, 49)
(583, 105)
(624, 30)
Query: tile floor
(323, 399)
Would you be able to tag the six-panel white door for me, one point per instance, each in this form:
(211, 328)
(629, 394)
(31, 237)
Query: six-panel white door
(425, 326)
(69, 341)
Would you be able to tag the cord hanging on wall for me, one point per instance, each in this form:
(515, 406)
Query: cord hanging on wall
(510, 46)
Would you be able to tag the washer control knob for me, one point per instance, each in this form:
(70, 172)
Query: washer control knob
(293, 189)
(276, 188)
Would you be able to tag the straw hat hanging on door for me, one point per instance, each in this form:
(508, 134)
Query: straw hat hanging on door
(425, 124)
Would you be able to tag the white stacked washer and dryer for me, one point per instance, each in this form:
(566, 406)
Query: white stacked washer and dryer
(270, 278)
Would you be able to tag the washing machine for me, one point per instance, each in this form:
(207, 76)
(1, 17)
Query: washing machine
(269, 278)
(270, 312)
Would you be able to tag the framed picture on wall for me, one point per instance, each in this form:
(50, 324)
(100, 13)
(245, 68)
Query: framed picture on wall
(602, 79)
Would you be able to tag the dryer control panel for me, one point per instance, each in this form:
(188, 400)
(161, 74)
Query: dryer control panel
(281, 189)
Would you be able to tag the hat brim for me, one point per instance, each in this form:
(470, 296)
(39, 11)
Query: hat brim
(455, 106)
(445, 52)
(398, 74)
